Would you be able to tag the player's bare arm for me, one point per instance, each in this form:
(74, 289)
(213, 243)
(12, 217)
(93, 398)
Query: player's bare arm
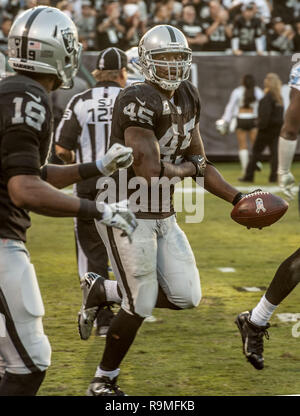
(146, 153)
(31, 192)
(291, 126)
(213, 180)
(117, 157)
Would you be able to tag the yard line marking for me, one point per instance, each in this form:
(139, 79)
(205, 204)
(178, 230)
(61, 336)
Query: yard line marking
(251, 289)
(226, 269)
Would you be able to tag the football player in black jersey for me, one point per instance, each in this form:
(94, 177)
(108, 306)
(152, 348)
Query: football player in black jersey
(247, 31)
(159, 119)
(44, 51)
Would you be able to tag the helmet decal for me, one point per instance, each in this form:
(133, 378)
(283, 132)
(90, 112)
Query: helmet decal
(68, 38)
(45, 40)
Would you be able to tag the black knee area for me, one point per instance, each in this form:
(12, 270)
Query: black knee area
(21, 384)
(286, 278)
(119, 338)
(163, 302)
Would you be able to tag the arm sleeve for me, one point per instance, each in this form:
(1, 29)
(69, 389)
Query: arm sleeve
(259, 44)
(231, 108)
(69, 127)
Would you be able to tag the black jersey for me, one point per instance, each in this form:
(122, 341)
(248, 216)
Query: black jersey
(172, 121)
(218, 40)
(191, 31)
(247, 31)
(25, 132)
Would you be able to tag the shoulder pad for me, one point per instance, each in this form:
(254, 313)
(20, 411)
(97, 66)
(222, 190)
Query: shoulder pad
(144, 94)
(18, 84)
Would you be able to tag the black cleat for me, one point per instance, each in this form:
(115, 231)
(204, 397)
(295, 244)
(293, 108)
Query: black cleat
(252, 337)
(104, 318)
(104, 386)
(93, 298)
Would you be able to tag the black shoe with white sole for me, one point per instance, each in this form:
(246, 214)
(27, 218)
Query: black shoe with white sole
(104, 386)
(93, 298)
(252, 337)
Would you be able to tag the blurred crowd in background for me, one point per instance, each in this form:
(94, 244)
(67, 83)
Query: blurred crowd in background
(225, 26)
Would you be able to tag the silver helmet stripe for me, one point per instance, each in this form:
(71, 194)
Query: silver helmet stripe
(27, 27)
(172, 34)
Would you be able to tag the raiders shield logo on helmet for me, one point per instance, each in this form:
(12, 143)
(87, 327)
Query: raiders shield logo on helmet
(68, 38)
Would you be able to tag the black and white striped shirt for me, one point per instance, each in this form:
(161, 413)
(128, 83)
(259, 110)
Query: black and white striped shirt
(86, 124)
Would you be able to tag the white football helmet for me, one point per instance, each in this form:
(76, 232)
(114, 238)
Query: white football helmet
(165, 39)
(45, 40)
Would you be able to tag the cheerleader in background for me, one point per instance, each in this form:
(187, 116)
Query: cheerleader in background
(242, 106)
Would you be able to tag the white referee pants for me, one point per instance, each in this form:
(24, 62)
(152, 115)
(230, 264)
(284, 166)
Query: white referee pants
(24, 348)
(159, 254)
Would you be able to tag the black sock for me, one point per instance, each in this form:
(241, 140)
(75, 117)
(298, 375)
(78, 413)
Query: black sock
(120, 336)
(286, 278)
(21, 384)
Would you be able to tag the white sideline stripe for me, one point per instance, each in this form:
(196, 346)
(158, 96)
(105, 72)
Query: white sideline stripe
(188, 190)
(226, 269)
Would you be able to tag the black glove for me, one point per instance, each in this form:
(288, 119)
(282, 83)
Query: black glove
(199, 162)
(240, 195)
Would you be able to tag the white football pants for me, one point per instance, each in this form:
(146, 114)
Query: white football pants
(159, 254)
(24, 348)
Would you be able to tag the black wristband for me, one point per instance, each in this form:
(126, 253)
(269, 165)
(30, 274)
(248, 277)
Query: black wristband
(199, 162)
(88, 170)
(88, 209)
(237, 198)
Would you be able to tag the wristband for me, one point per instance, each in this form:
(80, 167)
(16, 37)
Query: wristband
(88, 170)
(88, 209)
(237, 198)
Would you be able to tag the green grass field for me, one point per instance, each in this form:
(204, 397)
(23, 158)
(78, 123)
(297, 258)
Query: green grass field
(194, 352)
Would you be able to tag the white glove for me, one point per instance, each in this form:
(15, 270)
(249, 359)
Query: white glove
(222, 127)
(118, 215)
(286, 183)
(117, 157)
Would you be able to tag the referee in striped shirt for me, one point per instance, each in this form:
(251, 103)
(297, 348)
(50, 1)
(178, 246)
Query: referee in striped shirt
(83, 136)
